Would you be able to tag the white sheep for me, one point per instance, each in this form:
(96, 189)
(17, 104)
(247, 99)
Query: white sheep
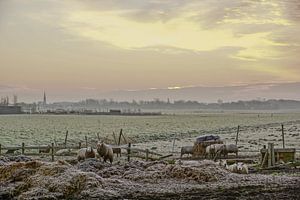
(81, 154)
(63, 152)
(239, 168)
(213, 149)
(84, 153)
(232, 168)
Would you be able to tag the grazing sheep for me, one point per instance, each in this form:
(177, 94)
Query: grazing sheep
(117, 150)
(186, 150)
(213, 149)
(209, 151)
(84, 153)
(105, 151)
(230, 148)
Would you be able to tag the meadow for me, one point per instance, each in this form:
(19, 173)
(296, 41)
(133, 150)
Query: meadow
(44, 129)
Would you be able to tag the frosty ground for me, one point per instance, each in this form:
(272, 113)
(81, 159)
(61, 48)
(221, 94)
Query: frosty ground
(24, 178)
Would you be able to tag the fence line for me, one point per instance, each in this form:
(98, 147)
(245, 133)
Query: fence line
(131, 151)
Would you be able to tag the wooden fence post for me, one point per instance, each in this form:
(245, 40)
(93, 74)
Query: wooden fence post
(271, 155)
(282, 129)
(264, 159)
(52, 152)
(115, 139)
(86, 143)
(66, 138)
(121, 132)
(237, 135)
(147, 154)
(128, 152)
(173, 143)
(79, 144)
(23, 148)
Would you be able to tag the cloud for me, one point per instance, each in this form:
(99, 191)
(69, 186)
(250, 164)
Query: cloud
(115, 44)
(254, 26)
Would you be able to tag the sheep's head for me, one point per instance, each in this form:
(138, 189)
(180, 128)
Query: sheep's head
(240, 166)
(89, 149)
(100, 145)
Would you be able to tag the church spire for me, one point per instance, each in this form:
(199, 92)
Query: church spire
(45, 99)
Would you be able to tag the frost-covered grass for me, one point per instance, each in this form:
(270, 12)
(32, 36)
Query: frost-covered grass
(43, 129)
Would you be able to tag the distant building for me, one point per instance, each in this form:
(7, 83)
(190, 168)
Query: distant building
(15, 99)
(114, 111)
(5, 109)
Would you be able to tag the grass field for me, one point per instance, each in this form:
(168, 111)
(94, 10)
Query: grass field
(44, 129)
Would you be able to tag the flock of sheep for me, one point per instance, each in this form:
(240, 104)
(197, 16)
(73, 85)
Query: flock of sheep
(103, 150)
(214, 150)
(107, 153)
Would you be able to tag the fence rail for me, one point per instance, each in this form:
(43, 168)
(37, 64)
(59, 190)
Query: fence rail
(131, 151)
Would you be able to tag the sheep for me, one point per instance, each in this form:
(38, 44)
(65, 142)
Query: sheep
(242, 168)
(84, 153)
(63, 152)
(209, 151)
(81, 154)
(186, 150)
(230, 148)
(232, 168)
(213, 149)
(239, 168)
(105, 151)
(117, 150)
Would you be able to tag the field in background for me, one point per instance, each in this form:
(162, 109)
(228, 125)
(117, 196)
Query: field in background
(157, 131)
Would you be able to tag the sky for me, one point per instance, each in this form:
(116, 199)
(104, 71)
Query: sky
(77, 49)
